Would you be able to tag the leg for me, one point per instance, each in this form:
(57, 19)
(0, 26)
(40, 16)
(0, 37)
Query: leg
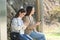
(22, 37)
(37, 35)
(28, 37)
(14, 36)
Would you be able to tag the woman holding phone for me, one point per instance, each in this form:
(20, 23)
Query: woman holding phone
(31, 29)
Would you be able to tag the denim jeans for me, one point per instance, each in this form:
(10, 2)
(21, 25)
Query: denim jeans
(37, 35)
(17, 36)
(25, 37)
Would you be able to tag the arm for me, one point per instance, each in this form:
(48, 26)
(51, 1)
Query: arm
(25, 26)
(34, 26)
(26, 19)
(26, 22)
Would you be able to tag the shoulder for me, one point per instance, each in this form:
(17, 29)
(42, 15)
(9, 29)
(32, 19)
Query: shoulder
(14, 19)
(26, 18)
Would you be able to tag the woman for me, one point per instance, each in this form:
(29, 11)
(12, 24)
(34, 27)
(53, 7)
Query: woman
(31, 29)
(18, 26)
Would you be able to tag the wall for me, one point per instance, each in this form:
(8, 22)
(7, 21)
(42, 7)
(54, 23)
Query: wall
(3, 27)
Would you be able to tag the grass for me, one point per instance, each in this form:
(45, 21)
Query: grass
(53, 34)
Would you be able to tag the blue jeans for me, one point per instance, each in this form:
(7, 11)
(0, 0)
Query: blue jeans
(37, 35)
(17, 36)
(25, 37)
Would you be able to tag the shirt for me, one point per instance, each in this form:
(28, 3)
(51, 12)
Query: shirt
(31, 22)
(17, 25)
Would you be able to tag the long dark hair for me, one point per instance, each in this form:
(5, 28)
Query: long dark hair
(21, 10)
(28, 10)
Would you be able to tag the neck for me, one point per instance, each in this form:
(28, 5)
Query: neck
(20, 17)
(30, 15)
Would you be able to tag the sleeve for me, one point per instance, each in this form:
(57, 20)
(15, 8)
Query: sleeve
(33, 20)
(14, 25)
(23, 27)
(26, 19)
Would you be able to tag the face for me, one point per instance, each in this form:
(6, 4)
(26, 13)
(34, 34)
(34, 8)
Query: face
(33, 10)
(22, 14)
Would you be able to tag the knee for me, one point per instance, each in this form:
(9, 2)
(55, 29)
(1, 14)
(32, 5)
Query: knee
(43, 36)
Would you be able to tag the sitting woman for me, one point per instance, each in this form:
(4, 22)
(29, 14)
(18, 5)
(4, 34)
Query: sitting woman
(31, 29)
(18, 27)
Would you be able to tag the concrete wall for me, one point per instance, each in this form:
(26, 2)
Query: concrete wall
(3, 23)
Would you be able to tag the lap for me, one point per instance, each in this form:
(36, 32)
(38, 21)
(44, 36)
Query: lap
(25, 37)
(17, 36)
(36, 34)
(14, 36)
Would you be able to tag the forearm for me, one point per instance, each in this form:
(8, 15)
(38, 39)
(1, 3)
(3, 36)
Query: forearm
(17, 27)
(24, 27)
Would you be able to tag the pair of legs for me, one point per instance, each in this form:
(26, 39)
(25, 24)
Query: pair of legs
(25, 37)
(17, 36)
(37, 35)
